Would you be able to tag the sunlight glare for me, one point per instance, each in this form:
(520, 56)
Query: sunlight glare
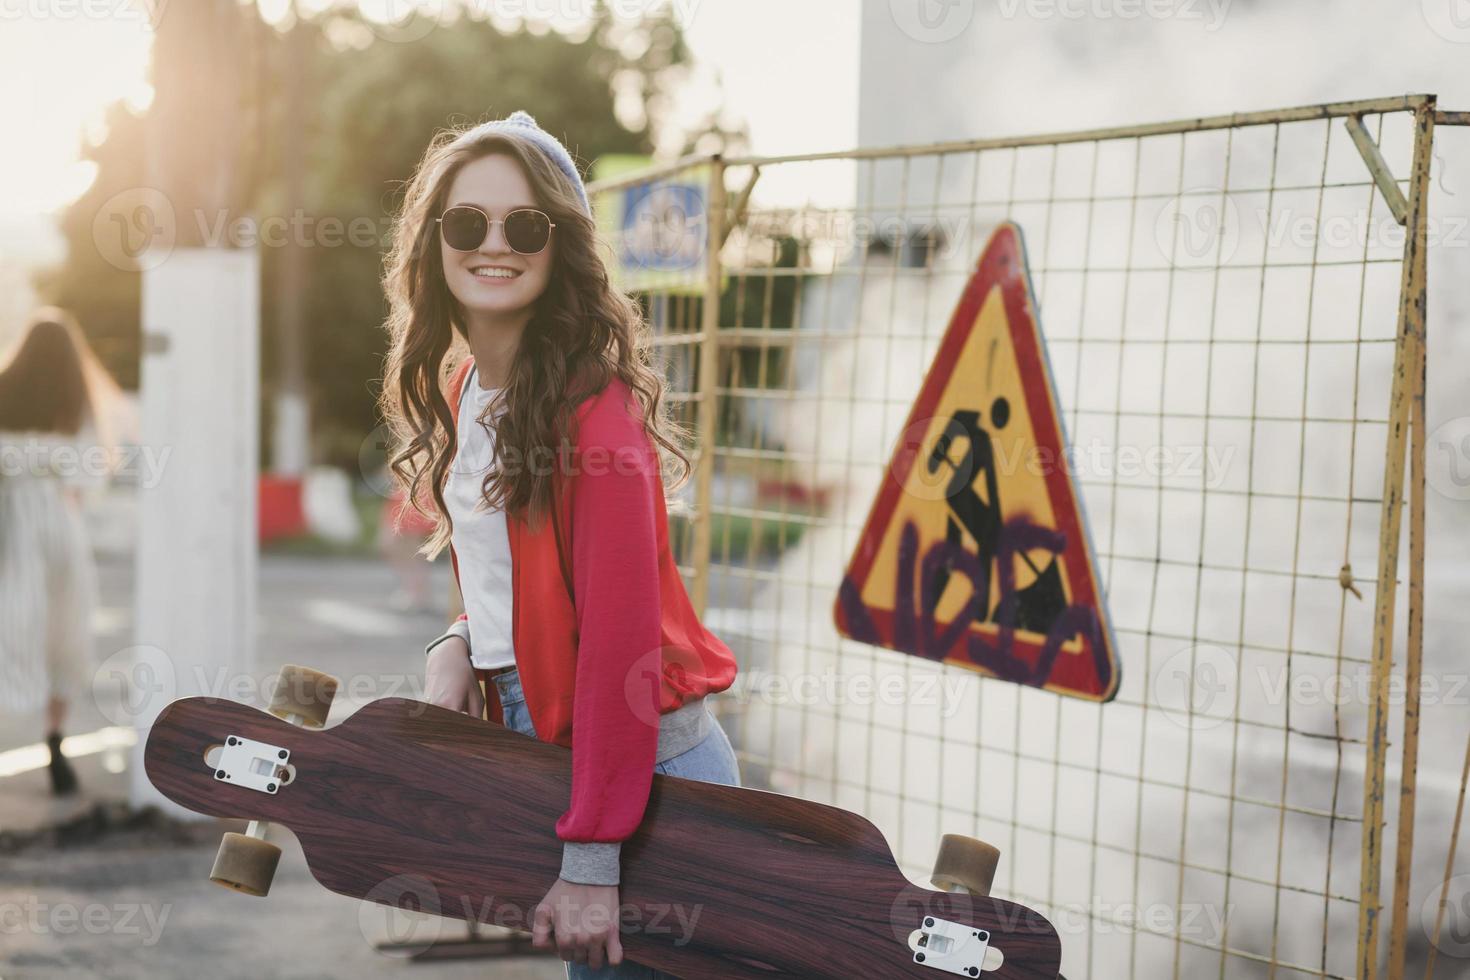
(60, 68)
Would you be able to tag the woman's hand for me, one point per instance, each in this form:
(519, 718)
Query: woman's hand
(585, 921)
(450, 679)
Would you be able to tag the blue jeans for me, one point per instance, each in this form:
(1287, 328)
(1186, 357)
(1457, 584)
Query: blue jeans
(711, 761)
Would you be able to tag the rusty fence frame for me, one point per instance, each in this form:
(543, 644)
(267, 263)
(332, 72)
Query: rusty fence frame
(1404, 472)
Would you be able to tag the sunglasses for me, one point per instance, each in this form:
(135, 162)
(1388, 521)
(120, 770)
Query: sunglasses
(464, 229)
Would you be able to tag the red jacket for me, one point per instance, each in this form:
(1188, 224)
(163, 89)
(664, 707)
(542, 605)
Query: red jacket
(599, 669)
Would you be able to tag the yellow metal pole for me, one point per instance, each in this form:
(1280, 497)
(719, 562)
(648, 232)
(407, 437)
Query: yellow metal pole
(1235, 120)
(1413, 656)
(1378, 167)
(1406, 365)
(709, 377)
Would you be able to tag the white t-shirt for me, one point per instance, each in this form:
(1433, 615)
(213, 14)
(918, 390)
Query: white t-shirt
(481, 541)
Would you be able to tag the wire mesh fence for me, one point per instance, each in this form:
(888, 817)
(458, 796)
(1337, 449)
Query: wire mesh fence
(1227, 304)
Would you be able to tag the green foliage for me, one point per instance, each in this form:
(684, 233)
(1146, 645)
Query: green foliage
(753, 300)
(365, 114)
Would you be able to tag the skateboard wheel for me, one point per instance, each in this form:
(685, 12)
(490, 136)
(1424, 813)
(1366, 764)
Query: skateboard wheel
(965, 863)
(303, 696)
(246, 864)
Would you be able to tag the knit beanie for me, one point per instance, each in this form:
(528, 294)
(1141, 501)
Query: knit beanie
(520, 123)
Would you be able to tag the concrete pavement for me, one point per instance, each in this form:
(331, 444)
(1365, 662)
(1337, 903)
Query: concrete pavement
(89, 888)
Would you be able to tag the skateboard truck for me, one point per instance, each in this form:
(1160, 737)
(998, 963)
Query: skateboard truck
(247, 862)
(952, 947)
(254, 765)
(966, 865)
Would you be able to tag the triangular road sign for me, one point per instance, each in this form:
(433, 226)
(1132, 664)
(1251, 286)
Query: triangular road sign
(977, 550)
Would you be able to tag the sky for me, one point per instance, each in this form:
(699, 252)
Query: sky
(58, 69)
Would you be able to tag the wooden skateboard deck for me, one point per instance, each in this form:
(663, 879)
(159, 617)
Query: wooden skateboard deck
(719, 882)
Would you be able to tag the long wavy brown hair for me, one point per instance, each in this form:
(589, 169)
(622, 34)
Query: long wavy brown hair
(583, 332)
(52, 381)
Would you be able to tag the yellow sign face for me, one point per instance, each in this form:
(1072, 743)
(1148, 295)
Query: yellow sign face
(976, 551)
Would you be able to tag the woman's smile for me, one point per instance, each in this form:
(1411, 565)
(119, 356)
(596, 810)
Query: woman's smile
(495, 274)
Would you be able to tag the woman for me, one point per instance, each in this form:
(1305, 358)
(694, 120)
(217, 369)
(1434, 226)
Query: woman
(546, 479)
(49, 392)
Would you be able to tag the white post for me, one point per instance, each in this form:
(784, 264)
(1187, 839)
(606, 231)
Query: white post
(197, 545)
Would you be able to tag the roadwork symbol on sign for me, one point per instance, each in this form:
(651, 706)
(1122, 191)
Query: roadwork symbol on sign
(977, 550)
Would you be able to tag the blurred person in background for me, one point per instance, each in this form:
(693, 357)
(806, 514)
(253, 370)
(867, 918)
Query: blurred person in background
(402, 531)
(576, 615)
(52, 388)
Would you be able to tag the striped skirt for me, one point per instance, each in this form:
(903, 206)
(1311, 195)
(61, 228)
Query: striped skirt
(48, 589)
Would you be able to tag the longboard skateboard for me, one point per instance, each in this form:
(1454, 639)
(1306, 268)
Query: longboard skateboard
(718, 883)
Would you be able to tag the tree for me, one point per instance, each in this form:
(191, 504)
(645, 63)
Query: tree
(373, 106)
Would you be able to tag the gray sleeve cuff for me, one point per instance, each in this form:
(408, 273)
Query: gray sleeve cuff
(592, 863)
(459, 628)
